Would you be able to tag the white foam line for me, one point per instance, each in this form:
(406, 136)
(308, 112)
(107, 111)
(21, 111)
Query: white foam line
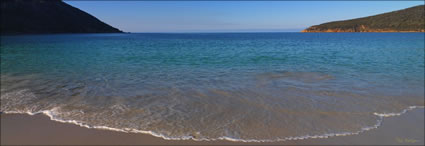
(397, 114)
(50, 114)
(327, 135)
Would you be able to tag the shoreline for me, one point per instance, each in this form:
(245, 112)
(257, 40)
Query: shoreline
(40, 129)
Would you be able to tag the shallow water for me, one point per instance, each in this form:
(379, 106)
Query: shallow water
(234, 86)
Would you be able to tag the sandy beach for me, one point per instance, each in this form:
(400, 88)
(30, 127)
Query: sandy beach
(211, 73)
(21, 129)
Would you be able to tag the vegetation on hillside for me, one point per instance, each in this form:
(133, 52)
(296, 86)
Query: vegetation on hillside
(48, 16)
(410, 19)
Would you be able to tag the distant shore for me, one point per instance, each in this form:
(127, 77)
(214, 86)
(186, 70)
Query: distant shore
(22, 129)
(339, 30)
(406, 20)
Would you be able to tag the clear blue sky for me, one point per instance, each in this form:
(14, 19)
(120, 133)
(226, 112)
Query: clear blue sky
(230, 16)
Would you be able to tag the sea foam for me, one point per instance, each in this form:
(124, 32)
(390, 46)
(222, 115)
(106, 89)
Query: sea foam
(52, 112)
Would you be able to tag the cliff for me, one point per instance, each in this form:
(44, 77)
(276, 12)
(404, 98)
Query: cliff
(406, 20)
(48, 16)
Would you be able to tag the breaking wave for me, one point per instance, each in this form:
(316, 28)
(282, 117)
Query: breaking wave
(52, 112)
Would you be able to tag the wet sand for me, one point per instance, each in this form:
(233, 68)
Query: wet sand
(21, 129)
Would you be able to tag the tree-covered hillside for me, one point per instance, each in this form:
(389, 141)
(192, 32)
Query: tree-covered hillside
(406, 20)
(48, 16)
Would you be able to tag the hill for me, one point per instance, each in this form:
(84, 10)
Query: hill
(48, 16)
(406, 20)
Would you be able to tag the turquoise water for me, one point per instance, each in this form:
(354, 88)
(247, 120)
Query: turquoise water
(206, 86)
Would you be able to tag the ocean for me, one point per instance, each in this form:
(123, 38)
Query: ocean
(251, 87)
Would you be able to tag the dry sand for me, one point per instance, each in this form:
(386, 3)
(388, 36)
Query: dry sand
(407, 129)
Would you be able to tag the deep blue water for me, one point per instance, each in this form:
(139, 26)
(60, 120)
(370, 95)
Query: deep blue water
(246, 86)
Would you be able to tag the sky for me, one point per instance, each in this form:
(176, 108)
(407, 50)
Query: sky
(231, 16)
